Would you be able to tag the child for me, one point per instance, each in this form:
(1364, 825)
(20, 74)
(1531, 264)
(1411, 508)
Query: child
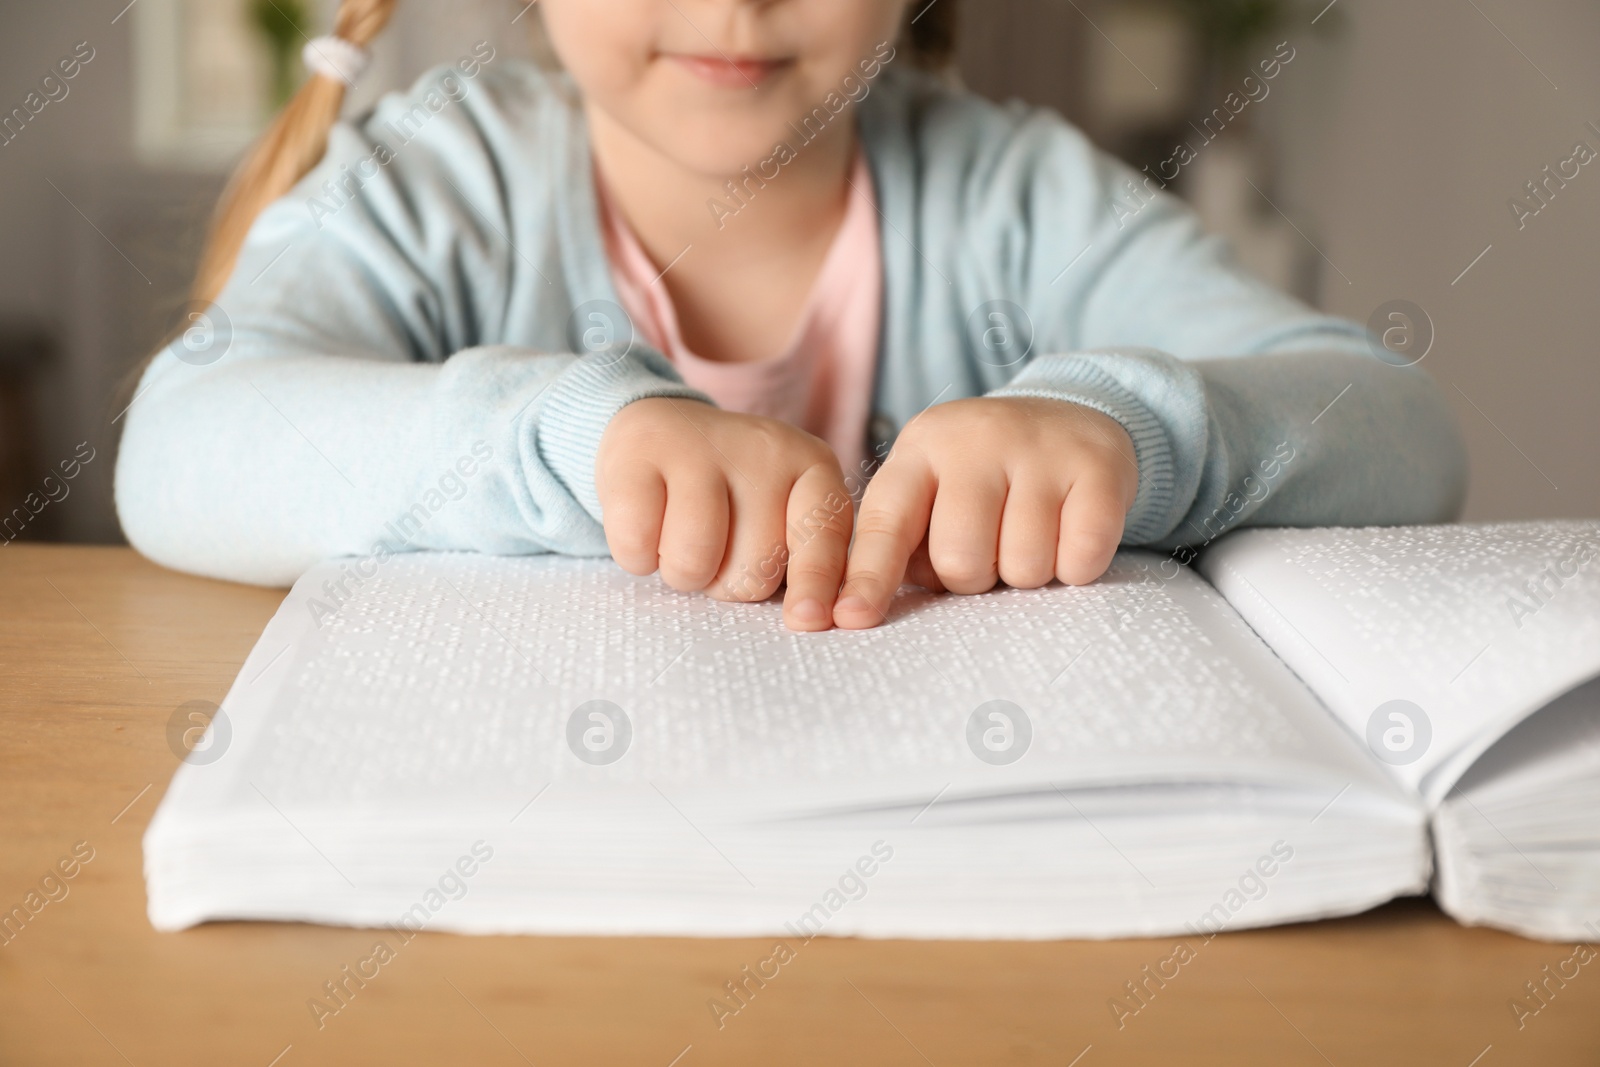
(819, 250)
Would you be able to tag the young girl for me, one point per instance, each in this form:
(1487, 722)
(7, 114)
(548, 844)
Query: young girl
(677, 301)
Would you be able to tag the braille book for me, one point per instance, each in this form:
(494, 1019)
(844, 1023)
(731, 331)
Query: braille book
(1307, 724)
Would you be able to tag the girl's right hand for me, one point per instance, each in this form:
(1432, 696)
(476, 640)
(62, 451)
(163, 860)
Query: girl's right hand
(727, 504)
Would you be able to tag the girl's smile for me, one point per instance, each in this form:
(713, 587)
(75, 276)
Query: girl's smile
(732, 72)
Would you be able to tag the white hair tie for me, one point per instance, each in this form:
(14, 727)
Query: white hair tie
(336, 58)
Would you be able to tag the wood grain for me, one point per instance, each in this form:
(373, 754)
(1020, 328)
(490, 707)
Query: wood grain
(99, 647)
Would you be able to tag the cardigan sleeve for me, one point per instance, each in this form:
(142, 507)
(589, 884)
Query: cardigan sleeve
(1245, 406)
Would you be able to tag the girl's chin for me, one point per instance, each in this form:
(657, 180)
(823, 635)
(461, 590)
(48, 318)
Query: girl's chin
(722, 142)
(716, 150)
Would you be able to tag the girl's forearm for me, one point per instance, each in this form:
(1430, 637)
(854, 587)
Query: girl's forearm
(258, 467)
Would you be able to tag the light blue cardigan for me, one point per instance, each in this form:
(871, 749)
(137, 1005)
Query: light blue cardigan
(399, 373)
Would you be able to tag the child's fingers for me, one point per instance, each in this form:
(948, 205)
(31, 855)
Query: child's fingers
(919, 570)
(819, 519)
(892, 520)
(632, 506)
(753, 566)
(694, 534)
(964, 531)
(1029, 533)
(1091, 528)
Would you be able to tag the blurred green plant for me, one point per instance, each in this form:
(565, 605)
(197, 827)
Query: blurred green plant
(1228, 29)
(283, 25)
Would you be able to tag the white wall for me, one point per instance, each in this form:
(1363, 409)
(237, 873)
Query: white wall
(89, 127)
(1405, 136)
(70, 142)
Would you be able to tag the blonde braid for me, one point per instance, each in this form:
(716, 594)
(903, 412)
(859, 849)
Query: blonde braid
(294, 143)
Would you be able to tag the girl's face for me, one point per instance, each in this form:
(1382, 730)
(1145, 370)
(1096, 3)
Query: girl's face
(715, 84)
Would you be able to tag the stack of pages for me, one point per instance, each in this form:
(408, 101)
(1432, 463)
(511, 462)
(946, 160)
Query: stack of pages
(1325, 720)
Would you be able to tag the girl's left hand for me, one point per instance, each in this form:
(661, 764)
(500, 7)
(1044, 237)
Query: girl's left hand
(1014, 489)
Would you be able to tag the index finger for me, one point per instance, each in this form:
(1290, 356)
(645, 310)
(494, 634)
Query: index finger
(819, 519)
(894, 516)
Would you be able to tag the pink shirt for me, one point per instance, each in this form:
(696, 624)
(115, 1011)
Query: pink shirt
(823, 380)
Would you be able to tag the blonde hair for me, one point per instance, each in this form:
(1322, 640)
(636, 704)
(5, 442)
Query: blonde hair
(294, 143)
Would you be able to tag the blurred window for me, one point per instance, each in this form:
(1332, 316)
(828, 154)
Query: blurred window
(204, 79)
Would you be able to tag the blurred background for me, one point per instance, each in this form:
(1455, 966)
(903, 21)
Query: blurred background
(1424, 151)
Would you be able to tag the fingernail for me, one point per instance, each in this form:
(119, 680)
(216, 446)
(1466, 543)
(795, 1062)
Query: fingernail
(852, 604)
(809, 612)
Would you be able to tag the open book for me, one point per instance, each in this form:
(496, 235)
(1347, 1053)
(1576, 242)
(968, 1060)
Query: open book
(1326, 720)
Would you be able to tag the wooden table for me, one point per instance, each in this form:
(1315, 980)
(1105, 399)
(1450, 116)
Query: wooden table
(99, 647)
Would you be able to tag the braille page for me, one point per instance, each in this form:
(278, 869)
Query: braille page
(1469, 628)
(451, 680)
